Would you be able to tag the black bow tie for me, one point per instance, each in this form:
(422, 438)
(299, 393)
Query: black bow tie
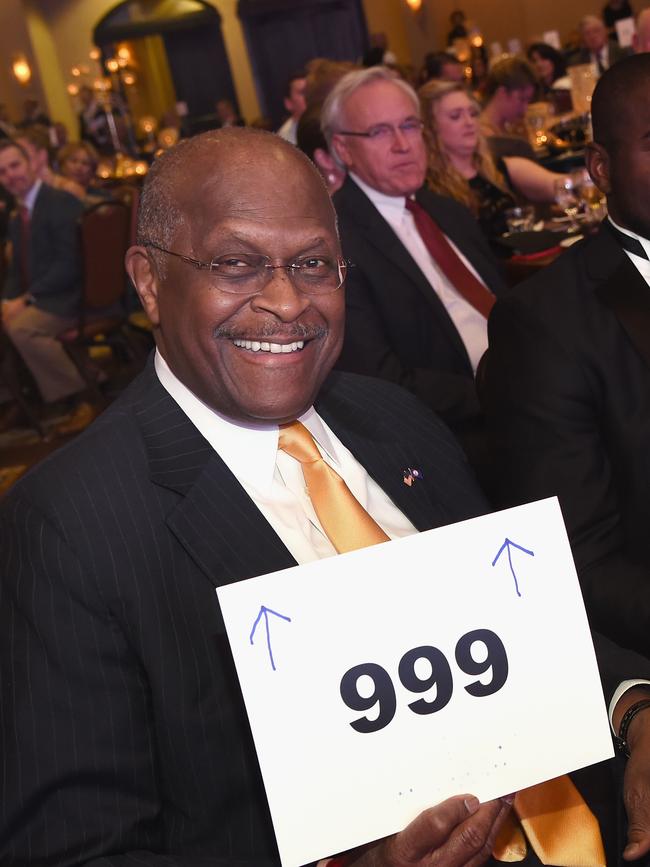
(632, 245)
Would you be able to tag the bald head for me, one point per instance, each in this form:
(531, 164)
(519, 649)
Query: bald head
(618, 96)
(618, 159)
(222, 164)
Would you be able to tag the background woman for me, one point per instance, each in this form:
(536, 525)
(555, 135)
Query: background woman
(78, 161)
(460, 163)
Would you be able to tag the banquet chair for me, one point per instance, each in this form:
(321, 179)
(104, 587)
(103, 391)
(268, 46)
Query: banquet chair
(105, 234)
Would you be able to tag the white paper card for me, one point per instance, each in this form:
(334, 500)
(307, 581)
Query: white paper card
(514, 46)
(625, 30)
(552, 38)
(443, 600)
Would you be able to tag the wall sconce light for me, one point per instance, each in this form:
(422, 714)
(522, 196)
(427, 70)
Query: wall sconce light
(414, 4)
(21, 69)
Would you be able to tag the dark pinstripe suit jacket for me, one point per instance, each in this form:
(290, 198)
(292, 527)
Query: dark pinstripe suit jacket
(122, 725)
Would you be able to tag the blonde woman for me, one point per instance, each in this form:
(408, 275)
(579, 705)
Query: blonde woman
(460, 163)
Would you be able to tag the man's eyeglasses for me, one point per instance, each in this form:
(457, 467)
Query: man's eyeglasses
(249, 273)
(385, 132)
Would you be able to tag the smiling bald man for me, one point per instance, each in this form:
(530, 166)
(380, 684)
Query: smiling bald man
(124, 734)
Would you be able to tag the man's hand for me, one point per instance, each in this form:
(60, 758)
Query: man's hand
(13, 307)
(636, 782)
(459, 832)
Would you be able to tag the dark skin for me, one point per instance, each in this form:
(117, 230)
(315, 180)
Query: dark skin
(246, 194)
(620, 166)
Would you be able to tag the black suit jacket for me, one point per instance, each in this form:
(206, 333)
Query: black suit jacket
(616, 53)
(122, 727)
(568, 406)
(54, 259)
(396, 326)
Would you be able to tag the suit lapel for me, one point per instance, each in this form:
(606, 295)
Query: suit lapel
(379, 235)
(627, 295)
(215, 520)
(383, 456)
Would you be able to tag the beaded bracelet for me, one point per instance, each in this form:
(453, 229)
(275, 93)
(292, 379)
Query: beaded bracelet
(628, 716)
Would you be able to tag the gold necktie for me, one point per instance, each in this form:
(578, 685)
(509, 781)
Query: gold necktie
(344, 520)
(559, 826)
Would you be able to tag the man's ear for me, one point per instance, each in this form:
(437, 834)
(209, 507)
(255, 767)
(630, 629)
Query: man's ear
(341, 149)
(143, 273)
(598, 166)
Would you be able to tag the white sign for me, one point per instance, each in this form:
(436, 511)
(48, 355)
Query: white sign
(514, 46)
(380, 682)
(552, 38)
(625, 30)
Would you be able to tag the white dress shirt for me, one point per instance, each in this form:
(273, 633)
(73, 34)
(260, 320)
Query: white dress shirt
(30, 199)
(470, 324)
(274, 480)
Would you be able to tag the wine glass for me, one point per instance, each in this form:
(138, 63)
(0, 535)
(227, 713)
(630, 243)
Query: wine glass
(567, 199)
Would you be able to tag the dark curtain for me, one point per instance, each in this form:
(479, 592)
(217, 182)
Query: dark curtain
(200, 71)
(282, 35)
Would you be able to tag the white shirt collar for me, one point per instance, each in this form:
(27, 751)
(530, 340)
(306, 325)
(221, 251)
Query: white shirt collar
(248, 450)
(380, 200)
(30, 198)
(645, 242)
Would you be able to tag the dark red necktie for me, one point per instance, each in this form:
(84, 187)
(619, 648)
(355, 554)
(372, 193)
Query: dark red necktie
(452, 266)
(24, 247)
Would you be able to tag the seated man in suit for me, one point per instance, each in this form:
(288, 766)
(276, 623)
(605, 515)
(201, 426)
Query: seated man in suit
(423, 279)
(42, 292)
(597, 48)
(568, 376)
(123, 731)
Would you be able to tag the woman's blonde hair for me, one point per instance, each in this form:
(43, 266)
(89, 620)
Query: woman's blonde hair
(442, 176)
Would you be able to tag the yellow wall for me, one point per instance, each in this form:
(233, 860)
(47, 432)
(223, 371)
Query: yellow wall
(14, 38)
(70, 24)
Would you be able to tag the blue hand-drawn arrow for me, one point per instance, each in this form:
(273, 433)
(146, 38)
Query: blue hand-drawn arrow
(264, 612)
(506, 545)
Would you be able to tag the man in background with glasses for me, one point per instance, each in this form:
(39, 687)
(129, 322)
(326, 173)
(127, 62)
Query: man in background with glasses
(423, 282)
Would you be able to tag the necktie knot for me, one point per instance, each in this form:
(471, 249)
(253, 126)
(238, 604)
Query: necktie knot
(342, 517)
(296, 441)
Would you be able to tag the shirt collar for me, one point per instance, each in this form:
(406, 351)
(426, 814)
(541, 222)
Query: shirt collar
(30, 198)
(248, 450)
(645, 242)
(381, 201)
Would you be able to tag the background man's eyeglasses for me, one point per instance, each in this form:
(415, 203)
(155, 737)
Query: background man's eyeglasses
(249, 273)
(388, 131)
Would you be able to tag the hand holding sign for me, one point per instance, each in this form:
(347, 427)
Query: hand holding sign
(459, 831)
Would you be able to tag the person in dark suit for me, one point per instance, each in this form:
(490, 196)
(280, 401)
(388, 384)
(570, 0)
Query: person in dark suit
(567, 388)
(42, 291)
(123, 733)
(406, 320)
(597, 48)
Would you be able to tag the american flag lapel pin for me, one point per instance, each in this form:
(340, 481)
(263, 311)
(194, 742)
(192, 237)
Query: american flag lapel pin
(411, 475)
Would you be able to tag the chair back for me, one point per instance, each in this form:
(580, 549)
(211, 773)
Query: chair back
(105, 234)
